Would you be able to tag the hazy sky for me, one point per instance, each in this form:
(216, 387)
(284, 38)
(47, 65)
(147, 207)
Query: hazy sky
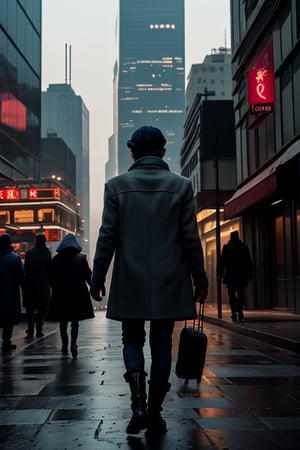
(89, 27)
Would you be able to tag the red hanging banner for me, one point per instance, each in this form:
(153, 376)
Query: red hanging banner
(261, 94)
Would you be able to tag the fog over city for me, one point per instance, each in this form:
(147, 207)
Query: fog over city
(89, 28)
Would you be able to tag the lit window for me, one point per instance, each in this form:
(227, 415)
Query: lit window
(162, 26)
(24, 216)
(4, 217)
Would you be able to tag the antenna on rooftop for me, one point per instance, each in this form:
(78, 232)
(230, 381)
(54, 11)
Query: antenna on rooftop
(67, 69)
(70, 59)
(225, 33)
(66, 64)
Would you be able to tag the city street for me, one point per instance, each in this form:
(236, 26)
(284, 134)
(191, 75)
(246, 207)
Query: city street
(248, 398)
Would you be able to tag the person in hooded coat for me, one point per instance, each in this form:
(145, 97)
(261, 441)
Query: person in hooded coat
(70, 298)
(36, 297)
(11, 280)
(149, 226)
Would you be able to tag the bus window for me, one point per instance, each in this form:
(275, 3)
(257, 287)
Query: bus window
(46, 215)
(24, 216)
(4, 217)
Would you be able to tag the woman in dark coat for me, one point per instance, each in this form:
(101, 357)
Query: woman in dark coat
(11, 279)
(70, 299)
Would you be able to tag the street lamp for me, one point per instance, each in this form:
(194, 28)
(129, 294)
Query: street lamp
(206, 94)
(218, 239)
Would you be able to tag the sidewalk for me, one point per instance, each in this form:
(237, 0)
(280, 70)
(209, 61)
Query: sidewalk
(278, 328)
(247, 399)
(281, 329)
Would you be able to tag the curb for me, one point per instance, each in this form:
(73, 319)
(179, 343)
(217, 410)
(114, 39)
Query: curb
(284, 343)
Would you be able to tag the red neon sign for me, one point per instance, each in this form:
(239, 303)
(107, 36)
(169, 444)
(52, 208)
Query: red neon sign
(261, 81)
(12, 112)
(10, 194)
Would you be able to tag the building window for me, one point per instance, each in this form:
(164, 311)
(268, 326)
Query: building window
(298, 18)
(249, 7)
(162, 26)
(296, 88)
(286, 36)
(24, 216)
(287, 119)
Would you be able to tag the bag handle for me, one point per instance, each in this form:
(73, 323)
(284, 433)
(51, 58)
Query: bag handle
(198, 322)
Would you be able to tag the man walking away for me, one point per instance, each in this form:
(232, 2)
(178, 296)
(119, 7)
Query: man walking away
(149, 226)
(237, 271)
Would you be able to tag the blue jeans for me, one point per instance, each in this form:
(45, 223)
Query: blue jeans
(160, 340)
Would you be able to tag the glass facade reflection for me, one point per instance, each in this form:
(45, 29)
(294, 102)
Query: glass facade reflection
(150, 75)
(20, 88)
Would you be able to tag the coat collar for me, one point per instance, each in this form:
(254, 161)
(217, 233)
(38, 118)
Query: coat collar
(5, 251)
(153, 161)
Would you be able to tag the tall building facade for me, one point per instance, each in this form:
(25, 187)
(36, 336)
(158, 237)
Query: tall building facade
(57, 158)
(65, 114)
(214, 74)
(208, 154)
(266, 92)
(149, 84)
(20, 88)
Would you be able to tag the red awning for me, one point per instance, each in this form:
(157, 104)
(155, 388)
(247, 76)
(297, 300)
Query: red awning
(262, 186)
(208, 199)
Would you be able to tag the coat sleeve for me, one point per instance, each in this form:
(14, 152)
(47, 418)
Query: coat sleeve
(20, 274)
(191, 241)
(87, 273)
(107, 239)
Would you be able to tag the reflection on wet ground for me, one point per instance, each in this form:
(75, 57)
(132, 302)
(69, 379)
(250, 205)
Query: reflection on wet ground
(248, 398)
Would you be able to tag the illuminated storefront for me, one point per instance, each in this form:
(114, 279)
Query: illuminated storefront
(266, 89)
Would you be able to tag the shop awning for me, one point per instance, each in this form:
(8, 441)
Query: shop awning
(208, 199)
(261, 187)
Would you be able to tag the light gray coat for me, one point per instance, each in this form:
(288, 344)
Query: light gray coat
(149, 225)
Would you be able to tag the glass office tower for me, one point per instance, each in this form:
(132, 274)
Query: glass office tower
(20, 88)
(150, 76)
(66, 115)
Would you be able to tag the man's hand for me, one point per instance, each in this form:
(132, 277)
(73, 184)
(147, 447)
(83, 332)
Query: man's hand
(200, 294)
(98, 294)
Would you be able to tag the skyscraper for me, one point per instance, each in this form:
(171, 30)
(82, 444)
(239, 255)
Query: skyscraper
(20, 89)
(149, 83)
(65, 114)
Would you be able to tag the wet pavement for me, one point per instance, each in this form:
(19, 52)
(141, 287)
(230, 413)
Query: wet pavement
(248, 397)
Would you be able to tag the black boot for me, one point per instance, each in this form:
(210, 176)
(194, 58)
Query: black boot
(137, 385)
(156, 424)
(64, 347)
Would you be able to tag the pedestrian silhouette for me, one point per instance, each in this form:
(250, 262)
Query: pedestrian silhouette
(11, 280)
(70, 299)
(36, 297)
(149, 226)
(237, 271)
